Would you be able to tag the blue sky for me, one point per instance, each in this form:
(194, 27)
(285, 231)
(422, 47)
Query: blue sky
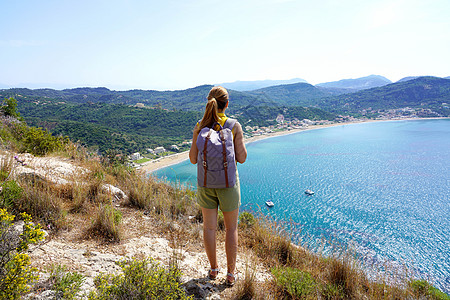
(178, 44)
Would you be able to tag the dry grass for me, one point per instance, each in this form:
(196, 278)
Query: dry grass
(246, 288)
(106, 224)
(175, 215)
(40, 201)
(336, 277)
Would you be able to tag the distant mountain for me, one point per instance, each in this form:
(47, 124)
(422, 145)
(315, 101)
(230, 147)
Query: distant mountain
(424, 92)
(303, 94)
(408, 78)
(357, 84)
(448, 77)
(336, 91)
(257, 84)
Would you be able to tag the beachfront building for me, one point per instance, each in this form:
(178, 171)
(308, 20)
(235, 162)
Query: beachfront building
(280, 118)
(135, 156)
(174, 148)
(151, 151)
(159, 150)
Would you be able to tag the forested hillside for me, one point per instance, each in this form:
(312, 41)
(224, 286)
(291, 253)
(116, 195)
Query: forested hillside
(266, 115)
(113, 126)
(189, 99)
(109, 119)
(424, 92)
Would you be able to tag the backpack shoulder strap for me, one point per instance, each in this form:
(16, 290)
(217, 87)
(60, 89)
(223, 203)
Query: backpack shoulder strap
(229, 123)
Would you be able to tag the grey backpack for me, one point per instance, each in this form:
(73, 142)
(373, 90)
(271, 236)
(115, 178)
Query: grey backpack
(216, 163)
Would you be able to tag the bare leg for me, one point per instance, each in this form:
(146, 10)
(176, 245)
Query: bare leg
(231, 238)
(209, 236)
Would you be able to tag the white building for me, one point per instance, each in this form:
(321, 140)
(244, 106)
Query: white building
(136, 156)
(159, 150)
(151, 151)
(174, 147)
(280, 118)
(307, 122)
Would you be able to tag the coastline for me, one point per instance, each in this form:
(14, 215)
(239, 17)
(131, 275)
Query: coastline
(167, 161)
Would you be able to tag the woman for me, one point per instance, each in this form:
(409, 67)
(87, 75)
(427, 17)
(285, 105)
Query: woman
(228, 199)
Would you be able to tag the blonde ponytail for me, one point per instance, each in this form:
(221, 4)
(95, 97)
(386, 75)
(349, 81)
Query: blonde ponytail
(211, 114)
(217, 99)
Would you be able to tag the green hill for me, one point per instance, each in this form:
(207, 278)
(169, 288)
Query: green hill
(422, 92)
(113, 126)
(357, 83)
(296, 94)
(189, 99)
(108, 119)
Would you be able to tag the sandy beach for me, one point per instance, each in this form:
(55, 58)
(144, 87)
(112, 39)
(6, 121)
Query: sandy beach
(156, 164)
(176, 158)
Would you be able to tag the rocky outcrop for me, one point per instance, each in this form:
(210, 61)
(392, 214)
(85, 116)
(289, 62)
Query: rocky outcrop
(85, 259)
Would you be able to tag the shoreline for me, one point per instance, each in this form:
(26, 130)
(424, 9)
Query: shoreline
(173, 159)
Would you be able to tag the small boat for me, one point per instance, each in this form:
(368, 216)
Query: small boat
(309, 192)
(269, 203)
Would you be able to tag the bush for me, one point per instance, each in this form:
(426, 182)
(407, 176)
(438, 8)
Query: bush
(246, 220)
(15, 270)
(39, 141)
(9, 108)
(9, 193)
(421, 288)
(296, 283)
(66, 284)
(144, 279)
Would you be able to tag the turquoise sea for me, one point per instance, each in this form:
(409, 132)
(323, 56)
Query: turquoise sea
(382, 189)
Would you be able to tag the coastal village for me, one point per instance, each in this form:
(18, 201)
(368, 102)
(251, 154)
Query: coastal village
(283, 125)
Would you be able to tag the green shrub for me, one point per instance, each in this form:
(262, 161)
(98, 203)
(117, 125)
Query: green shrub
(141, 279)
(421, 288)
(15, 270)
(246, 220)
(66, 284)
(9, 193)
(9, 108)
(39, 141)
(296, 283)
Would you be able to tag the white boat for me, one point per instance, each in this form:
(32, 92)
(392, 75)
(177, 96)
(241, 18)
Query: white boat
(309, 192)
(269, 203)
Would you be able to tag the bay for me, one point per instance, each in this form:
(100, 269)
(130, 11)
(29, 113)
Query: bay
(382, 190)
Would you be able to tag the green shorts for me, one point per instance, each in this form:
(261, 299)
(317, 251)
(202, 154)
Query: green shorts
(228, 199)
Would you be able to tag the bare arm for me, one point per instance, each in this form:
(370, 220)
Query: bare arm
(239, 146)
(194, 150)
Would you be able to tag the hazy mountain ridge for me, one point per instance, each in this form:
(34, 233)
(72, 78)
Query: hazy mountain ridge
(408, 78)
(427, 92)
(356, 84)
(403, 93)
(98, 116)
(258, 84)
(302, 94)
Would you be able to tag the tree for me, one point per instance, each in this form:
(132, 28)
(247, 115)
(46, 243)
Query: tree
(9, 108)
